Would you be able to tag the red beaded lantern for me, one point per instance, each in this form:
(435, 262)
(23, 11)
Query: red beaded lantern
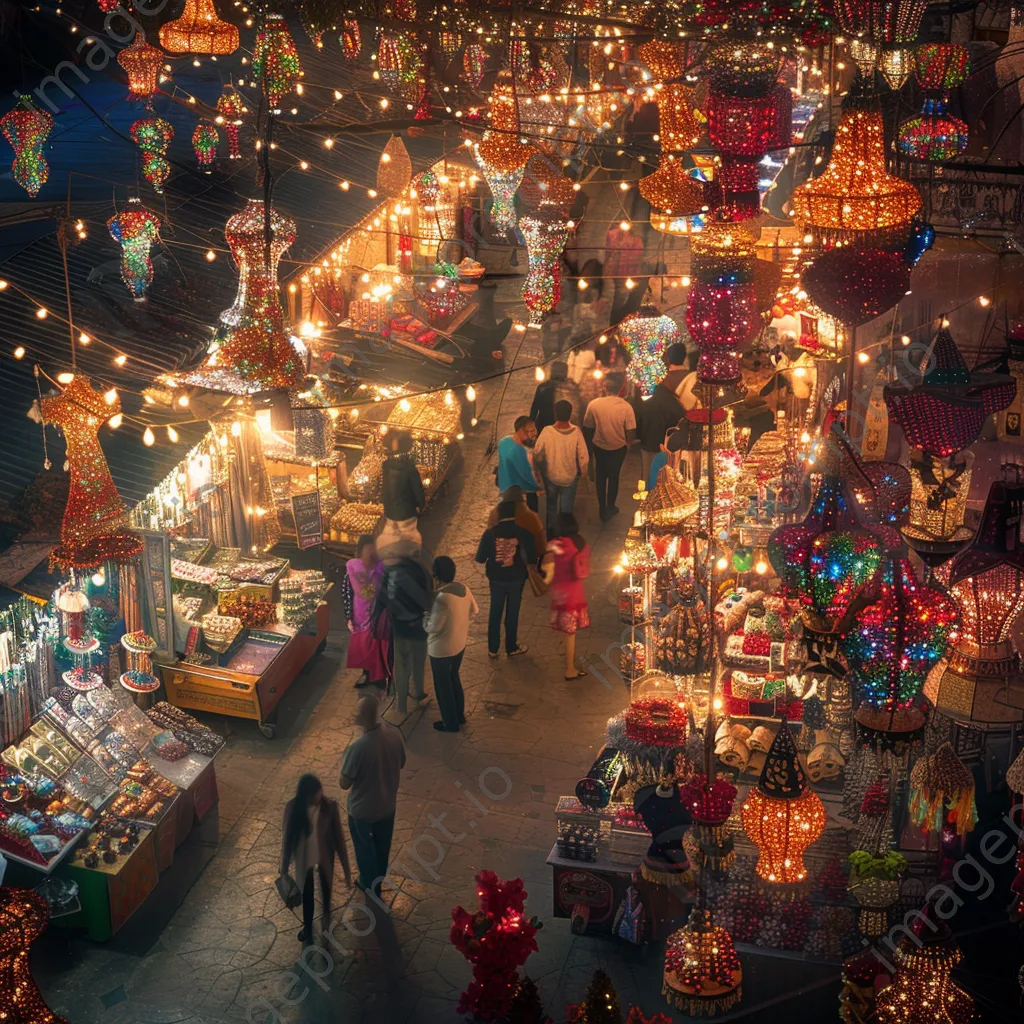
(855, 285)
(702, 970)
(782, 816)
(141, 63)
(942, 66)
(934, 134)
(742, 125)
(722, 319)
(204, 144)
(895, 22)
(23, 917)
(27, 128)
(199, 30)
(945, 412)
(351, 39)
(230, 107)
(275, 60)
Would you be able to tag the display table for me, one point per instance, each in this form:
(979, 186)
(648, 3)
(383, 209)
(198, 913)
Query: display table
(252, 684)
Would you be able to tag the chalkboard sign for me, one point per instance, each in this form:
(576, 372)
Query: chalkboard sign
(309, 529)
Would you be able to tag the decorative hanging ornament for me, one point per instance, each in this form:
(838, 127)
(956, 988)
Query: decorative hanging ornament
(135, 229)
(854, 284)
(702, 970)
(895, 22)
(23, 917)
(257, 346)
(27, 128)
(782, 816)
(646, 334)
(399, 62)
(934, 134)
(230, 108)
(204, 143)
(545, 229)
(942, 66)
(664, 60)
(275, 60)
(941, 788)
(95, 519)
(473, 62)
(896, 67)
(153, 135)
(865, 55)
(199, 30)
(394, 169)
(351, 39)
(671, 190)
(945, 412)
(722, 319)
(856, 199)
(141, 63)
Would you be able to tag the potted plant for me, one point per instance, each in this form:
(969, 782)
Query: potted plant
(874, 884)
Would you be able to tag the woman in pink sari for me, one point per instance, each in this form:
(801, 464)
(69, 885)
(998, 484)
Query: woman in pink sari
(362, 581)
(566, 564)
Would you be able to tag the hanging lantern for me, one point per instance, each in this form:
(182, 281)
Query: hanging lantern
(942, 66)
(865, 55)
(450, 40)
(663, 59)
(394, 169)
(257, 346)
(742, 68)
(710, 807)
(941, 787)
(855, 284)
(502, 156)
(893, 645)
(135, 230)
(230, 107)
(896, 22)
(922, 991)
(896, 67)
(722, 319)
(351, 39)
(856, 198)
(95, 519)
(545, 230)
(199, 30)
(204, 144)
(934, 134)
(141, 63)
(275, 60)
(702, 970)
(23, 917)
(782, 816)
(399, 61)
(153, 135)
(27, 128)
(986, 580)
(946, 411)
(473, 61)
(671, 190)
(646, 334)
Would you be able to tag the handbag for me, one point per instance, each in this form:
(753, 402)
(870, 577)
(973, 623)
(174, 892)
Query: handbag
(538, 584)
(288, 890)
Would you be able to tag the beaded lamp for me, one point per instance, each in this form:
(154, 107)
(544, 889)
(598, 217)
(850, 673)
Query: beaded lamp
(710, 806)
(672, 501)
(545, 232)
(474, 60)
(141, 63)
(782, 816)
(855, 284)
(275, 60)
(742, 68)
(27, 128)
(722, 319)
(865, 55)
(135, 229)
(934, 134)
(941, 791)
(230, 108)
(646, 334)
(204, 144)
(856, 199)
(23, 917)
(671, 190)
(153, 135)
(703, 974)
(502, 156)
(945, 412)
(394, 169)
(399, 62)
(351, 38)
(942, 66)
(665, 61)
(986, 580)
(724, 253)
(896, 67)
(896, 22)
(199, 30)
(94, 526)
(938, 504)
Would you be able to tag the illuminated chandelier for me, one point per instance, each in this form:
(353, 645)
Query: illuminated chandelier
(856, 199)
(135, 230)
(646, 334)
(230, 108)
(141, 63)
(545, 230)
(275, 60)
(199, 30)
(893, 21)
(27, 128)
(153, 135)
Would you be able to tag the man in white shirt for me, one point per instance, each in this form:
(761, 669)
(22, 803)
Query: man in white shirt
(614, 425)
(561, 451)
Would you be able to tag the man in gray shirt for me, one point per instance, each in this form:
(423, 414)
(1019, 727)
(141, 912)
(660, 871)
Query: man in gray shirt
(370, 772)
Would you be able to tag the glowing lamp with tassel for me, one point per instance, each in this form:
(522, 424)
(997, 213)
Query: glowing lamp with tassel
(942, 791)
(153, 135)
(23, 917)
(782, 816)
(646, 334)
(230, 108)
(703, 974)
(934, 134)
(204, 144)
(141, 63)
(27, 128)
(135, 229)
(856, 199)
(199, 30)
(275, 60)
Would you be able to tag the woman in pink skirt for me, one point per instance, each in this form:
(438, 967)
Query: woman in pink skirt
(566, 565)
(367, 648)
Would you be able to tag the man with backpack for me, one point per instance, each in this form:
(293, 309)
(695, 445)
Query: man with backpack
(407, 593)
(506, 550)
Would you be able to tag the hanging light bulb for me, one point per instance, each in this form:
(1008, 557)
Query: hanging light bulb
(148, 437)
(172, 434)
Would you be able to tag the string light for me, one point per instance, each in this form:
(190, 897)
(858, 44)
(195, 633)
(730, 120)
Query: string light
(148, 437)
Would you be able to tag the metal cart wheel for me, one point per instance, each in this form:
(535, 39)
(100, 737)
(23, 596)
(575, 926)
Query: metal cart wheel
(268, 729)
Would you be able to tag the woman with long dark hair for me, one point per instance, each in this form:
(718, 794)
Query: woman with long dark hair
(360, 585)
(566, 564)
(312, 838)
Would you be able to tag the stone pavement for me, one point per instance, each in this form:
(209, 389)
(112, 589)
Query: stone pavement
(483, 798)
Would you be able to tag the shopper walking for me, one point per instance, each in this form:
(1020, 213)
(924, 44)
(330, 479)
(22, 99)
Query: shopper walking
(360, 586)
(525, 517)
(403, 499)
(566, 566)
(514, 466)
(370, 772)
(506, 549)
(613, 423)
(557, 388)
(447, 628)
(662, 411)
(311, 838)
(562, 457)
(406, 594)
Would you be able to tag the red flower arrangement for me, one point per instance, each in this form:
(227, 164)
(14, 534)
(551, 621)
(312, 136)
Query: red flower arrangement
(496, 940)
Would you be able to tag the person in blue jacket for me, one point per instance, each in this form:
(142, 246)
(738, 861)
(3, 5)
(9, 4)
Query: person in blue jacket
(514, 466)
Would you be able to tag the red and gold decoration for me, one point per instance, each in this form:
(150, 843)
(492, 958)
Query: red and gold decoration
(351, 39)
(23, 917)
(783, 816)
(141, 63)
(257, 346)
(855, 284)
(135, 229)
(275, 60)
(703, 974)
(646, 334)
(153, 135)
(942, 792)
(199, 30)
(204, 144)
(473, 60)
(230, 108)
(710, 806)
(27, 128)
(94, 529)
